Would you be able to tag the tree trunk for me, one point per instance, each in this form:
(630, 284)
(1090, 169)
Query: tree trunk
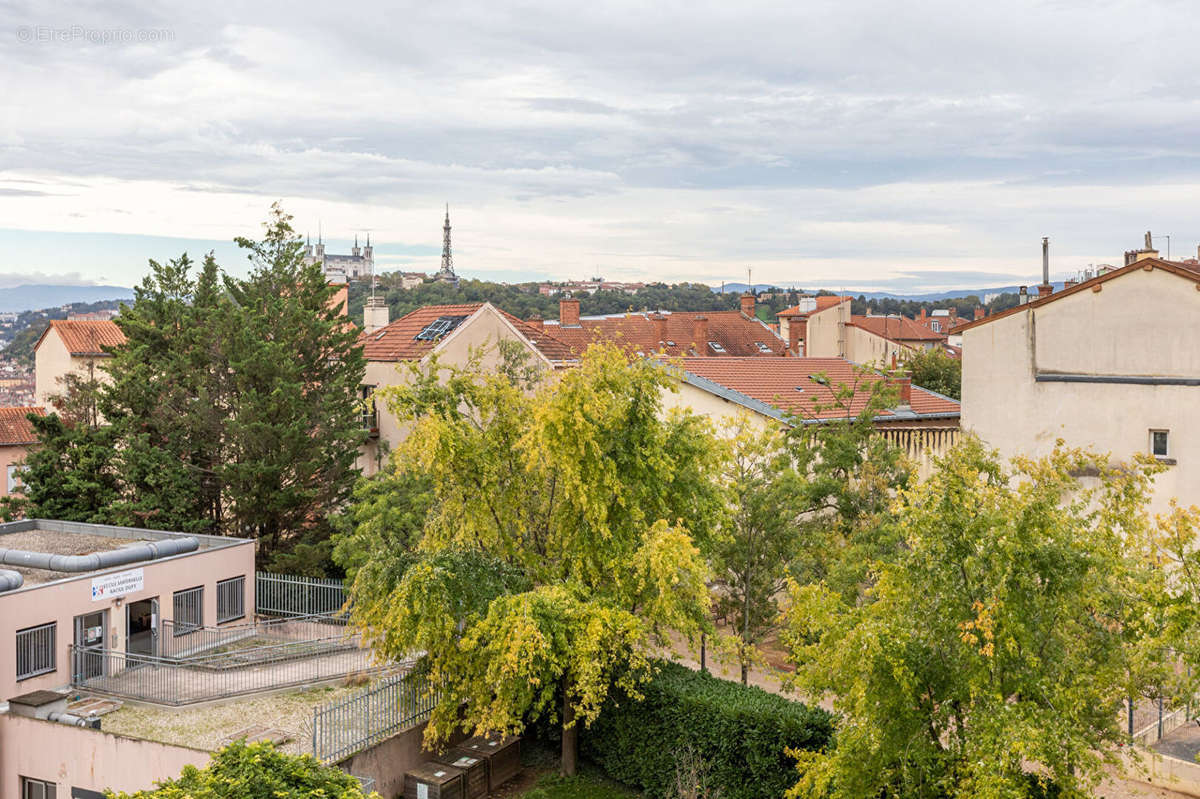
(570, 737)
(745, 673)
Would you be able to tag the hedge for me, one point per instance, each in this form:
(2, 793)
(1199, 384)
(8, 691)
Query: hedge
(740, 733)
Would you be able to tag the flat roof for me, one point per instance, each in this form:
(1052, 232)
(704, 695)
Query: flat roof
(79, 538)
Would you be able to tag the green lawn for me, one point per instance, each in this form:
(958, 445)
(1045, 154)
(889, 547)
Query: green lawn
(582, 786)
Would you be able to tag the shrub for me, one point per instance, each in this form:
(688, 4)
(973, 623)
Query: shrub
(739, 733)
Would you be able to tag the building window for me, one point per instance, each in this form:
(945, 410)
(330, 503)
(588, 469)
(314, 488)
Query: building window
(188, 610)
(13, 482)
(1159, 446)
(35, 650)
(936, 327)
(231, 599)
(36, 789)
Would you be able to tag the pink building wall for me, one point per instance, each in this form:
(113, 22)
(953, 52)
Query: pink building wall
(61, 601)
(76, 757)
(9, 456)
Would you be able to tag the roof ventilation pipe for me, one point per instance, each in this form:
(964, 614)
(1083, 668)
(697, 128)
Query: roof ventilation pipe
(143, 550)
(10, 580)
(73, 720)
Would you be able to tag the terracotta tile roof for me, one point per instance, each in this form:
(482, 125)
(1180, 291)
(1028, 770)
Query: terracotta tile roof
(896, 328)
(15, 428)
(823, 303)
(776, 384)
(398, 341)
(1178, 268)
(86, 336)
(674, 333)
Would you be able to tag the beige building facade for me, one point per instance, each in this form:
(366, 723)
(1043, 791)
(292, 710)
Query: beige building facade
(74, 346)
(1110, 364)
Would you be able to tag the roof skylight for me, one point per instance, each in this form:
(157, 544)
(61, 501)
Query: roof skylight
(438, 328)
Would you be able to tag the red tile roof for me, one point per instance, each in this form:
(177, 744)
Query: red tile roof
(86, 336)
(1177, 268)
(823, 303)
(674, 333)
(896, 328)
(776, 383)
(398, 341)
(15, 428)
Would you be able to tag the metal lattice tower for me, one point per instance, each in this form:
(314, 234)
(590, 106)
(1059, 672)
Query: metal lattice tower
(447, 260)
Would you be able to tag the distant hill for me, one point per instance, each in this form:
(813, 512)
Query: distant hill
(880, 295)
(32, 297)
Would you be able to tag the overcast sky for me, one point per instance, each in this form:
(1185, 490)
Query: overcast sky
(902, 146)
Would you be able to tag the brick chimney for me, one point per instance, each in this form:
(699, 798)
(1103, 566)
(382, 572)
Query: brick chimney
(1045, 290)
(922, 317)
(953, 313)
(748, 304)
(901, 380)
(536, 322)
(568, 312)
(700, 335)
(660, 326)
(796, 330)
(980, 313)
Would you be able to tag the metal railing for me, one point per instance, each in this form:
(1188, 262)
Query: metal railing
(183, 681)
(366, 717)
(291, 595)
(183, 641)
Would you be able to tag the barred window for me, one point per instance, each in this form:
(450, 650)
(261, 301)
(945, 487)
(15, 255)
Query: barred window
(37, 789)
(188, 610)
(231, 599)
(35, 650)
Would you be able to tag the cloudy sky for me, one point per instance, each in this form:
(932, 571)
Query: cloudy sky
(850, 143)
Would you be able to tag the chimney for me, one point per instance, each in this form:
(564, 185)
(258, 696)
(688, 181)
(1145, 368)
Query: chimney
(1023, 294)
(922, 313)
(953, 313)
(375, 314)
(1069, 282)
(1045, 290)
(700, 335)
(796, 329)
(980, 313)
(536, 322)
(568, 312)
(748, 305)
(901, 380)
(660, 326)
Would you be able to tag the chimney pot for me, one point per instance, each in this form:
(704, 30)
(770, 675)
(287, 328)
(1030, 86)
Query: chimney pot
(748, 304)
(980, 313)
(375, 314)
(1023, 293)
(796, 330)
(568, 312)
(535, 321)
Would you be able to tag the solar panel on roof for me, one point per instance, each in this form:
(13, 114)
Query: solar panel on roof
(438, 328)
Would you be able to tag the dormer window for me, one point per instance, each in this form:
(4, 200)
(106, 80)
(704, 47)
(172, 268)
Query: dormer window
(935, 326)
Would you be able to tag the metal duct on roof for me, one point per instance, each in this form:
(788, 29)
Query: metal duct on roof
(141, 551)
(10, 580)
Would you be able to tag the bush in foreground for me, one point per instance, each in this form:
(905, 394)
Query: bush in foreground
(739, 732)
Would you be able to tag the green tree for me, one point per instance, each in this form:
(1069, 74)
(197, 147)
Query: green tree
(1004, 633)
(850, 476)
(294, 374)
(560, 545)
(937, 371)
(761, 536)
(168, 400)
(255, 771)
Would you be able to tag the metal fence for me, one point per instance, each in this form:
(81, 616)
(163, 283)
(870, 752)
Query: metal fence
(368, 716)
(183, 681)
(177, 640)
(291, 595)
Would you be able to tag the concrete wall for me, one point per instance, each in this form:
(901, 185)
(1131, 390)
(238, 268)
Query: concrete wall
(863, 346)
(386, 762)
(62, 600)
(75, 757)
(1164, 771)
(1139, 324)
(52, 362)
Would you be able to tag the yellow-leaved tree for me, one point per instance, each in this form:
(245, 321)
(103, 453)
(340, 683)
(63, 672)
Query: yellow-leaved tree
(561, 545)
